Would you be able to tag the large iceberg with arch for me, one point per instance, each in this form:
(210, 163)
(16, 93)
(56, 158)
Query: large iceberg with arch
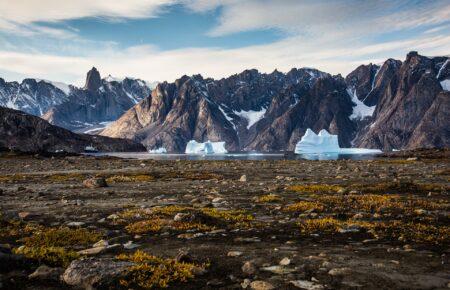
(194, 147)
(324, 142)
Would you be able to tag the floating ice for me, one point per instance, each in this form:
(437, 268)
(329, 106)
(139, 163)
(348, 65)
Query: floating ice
(324, 142)
(208, 147)
(160, 150)
(446, 85)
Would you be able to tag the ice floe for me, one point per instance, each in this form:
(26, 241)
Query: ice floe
(160, 150)
(324, 142)
(194, 147)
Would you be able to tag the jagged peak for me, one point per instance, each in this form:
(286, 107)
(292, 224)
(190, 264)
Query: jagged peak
(93, 80)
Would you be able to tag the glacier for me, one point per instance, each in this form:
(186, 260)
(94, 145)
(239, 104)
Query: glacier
(324, 142)
(160, 150)
(194, 147)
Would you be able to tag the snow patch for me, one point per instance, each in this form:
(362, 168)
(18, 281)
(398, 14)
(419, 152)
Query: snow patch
(160, 150)
(360, 110)
(324, 142)
(62, 86)
(446, 85)
(251, 116)
(442, 68)
(193, 147)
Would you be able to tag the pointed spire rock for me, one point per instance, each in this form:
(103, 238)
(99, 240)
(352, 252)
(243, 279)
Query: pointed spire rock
(93, 80)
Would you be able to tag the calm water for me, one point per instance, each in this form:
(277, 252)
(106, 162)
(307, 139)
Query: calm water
(239, 156)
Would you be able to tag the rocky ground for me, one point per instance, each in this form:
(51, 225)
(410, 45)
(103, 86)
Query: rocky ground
(86, 222)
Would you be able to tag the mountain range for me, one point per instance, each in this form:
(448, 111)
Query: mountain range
(394, 105)
(84, 109)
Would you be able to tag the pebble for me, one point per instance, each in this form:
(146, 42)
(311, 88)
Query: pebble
(339, 271)
(76, 224)
(261, 285)
(243, 178)
(285, 261)
(278, 269)
(246, 283)
(307, 285)
(95, 182)
(248, 268)
(130, 245)
(234, 254)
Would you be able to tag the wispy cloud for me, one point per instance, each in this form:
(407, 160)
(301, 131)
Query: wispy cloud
(330, 35)
(149, 63)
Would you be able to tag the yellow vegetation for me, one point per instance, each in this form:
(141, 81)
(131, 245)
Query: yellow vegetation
(130, 178)
(52, 256)
(61, 237)
(303, 206)
(315, 188)
(325, 225)
(154, 272)
(145, 226)
(269, 198)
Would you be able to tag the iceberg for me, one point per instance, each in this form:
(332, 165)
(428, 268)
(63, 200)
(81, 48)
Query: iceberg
(324, 142)
(193, 147)
(160, 150)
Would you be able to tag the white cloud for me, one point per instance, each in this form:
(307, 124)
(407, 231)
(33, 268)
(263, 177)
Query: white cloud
(21, 16)
(334, 36)
(150, 64)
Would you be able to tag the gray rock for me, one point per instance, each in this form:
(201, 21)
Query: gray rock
(92, 273)
(95, 182)
(248, 268)
(44, 272)
(307, 285)
(261, 285)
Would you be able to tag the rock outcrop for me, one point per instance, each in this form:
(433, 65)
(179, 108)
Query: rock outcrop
(23, 132)
(374, 106)
(32, 96)
(412, 111)
(79, 109)
(99, 102)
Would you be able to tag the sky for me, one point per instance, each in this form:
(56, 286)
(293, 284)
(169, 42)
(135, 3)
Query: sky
(161, 40)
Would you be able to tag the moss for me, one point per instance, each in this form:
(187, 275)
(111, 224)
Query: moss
(315, 188)
(52, 256)
(228, 215)
(364, 202)
(325, 225)
(269, 198)
(145, 226)
(61, 237)
(14, 229)
(420, 233)
(186, 226)
(192, 175)
(130, 178)
(170, 210)
(401, 187)
(154, 272)
(303, 206)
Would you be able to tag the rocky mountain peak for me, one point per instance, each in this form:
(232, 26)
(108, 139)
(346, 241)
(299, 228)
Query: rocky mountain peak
(93, 80)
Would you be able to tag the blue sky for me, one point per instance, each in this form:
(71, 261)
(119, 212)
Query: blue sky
(163, 39)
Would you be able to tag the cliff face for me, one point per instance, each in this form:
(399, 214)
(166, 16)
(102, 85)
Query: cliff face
(99, 102)
(250, 111)
(27, 133)
(412, 110)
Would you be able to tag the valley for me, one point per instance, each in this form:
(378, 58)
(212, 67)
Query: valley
(274, 224)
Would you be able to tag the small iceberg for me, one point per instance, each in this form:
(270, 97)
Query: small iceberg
(324, 142)
(193, 147)
(160, 150)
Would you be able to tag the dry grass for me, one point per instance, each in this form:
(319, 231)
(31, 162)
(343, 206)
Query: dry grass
(153, 272)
